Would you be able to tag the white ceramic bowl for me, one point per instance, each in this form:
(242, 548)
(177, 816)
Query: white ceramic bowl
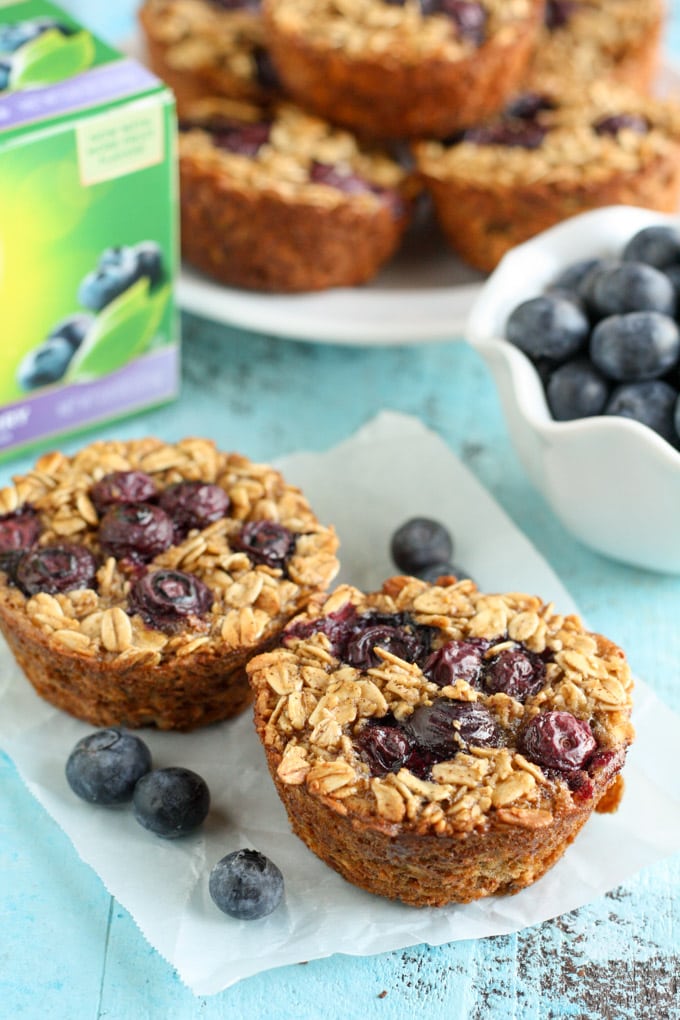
(614, 483)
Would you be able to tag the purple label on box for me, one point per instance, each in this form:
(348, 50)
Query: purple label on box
(148, 380)
(102, 84)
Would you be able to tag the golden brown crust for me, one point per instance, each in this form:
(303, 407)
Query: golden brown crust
(260, 223)
(419, 83)
(85, 650)
(487, 821)
(489, 198)
(200, 50)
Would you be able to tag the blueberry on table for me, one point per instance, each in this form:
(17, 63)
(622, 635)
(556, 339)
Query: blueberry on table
(104, 767)
(658, 246)
(636, 346)
(632, 287)
(549, 326)
(576, 390)
(420, 542)
(653, 403)
(45, 364)
(171, 802)
(246, 885)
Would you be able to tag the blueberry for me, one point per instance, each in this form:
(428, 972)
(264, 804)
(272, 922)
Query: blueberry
(351, 183)
(117, 256)
(409, 644)
(246, 885)
(149, 262)
(676, 420)
(576, 390)
(165, 598)
(658, 246)
(434, 571)
(420, 542)
(548, 326)
(673, 274)
(613, 123)
(445, 727)
(632, 287)
(636, 346)
(457, 660)
(138, 531)
(104, 767)
(266, 542)
(559, 12)
(652, 403)
(265, 72)
(193, 505)
(528, 105)
(514, 133)
(240, 137)
(585, 288)
(572, 276)
(468, 16)
(73, 329)
(384, 746)
(45, 364)
(516, 672)
(55, 568)
(122, 487)
(19, 530)
(100, 287)
(171, 802)
(558, 740)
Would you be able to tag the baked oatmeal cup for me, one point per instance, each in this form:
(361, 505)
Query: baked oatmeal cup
(138, 577)
(548, 156)
(275, 199)
(435, 744)
(586, 40)
(391, 69)
(209, 48)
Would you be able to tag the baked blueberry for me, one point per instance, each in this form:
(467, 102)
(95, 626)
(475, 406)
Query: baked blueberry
(653, 403)
(193, 504)
(657, 246)
(613, 123)
(45, 364)
(104, 767)
(55, 568)
(165, 598)
(632, 287)
(457, 660)
(445, 727)
(559, 12)
(265, 72)
(351, 183)
(576, 390)
(266, 542)
(636, 346)
(548, 326)
(18, 531)
(420, 542)
(408, 643)
(171, 802)
(384, 745)
(516, 672)
(244, 139)
(245, 884)
(558, 740)
(122, 487)
(528, 105)
(136, 531)
(511, 132)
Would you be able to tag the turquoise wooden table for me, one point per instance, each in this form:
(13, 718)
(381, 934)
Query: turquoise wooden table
(68, 950)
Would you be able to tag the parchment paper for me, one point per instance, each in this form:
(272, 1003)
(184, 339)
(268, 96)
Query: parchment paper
(392, 469)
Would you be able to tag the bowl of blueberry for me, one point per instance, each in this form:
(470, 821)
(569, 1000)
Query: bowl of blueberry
(579, 328)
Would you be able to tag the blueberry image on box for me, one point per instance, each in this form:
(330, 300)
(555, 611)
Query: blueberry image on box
(47, 363)
(118, 268)
(42, 51)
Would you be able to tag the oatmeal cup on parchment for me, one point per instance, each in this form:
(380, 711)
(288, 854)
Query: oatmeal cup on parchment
(136, 578)
(435, 744)
(275, 199)
(209, 48)
(402, 68)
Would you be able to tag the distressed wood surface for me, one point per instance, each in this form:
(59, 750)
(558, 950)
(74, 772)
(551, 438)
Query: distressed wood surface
(68, 950)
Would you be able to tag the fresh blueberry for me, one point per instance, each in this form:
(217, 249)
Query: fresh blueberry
(266, 542)
(420, 542)
(54, 569)
(137, 531)
(104, 767)
(171, 802)
(585, 288)
(652, 403)
(572, 276)
(73, 329)
(434, 571)
(636, 346)
(558, 740)
(100, 287)
(549, 326)
(165, 598)
(516, 672)
(122, 487)
(576, 390)
(246, 885)
(676, 420)
(657, 246)
(632, 287)
(673, 274)
(45, 364)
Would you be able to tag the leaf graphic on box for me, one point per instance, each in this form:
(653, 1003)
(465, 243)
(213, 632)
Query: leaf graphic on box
(122, 331)
(50, 58)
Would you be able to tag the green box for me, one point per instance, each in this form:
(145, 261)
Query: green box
(88, 229)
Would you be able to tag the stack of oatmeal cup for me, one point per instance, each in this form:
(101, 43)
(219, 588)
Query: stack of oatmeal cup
(295, 116)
